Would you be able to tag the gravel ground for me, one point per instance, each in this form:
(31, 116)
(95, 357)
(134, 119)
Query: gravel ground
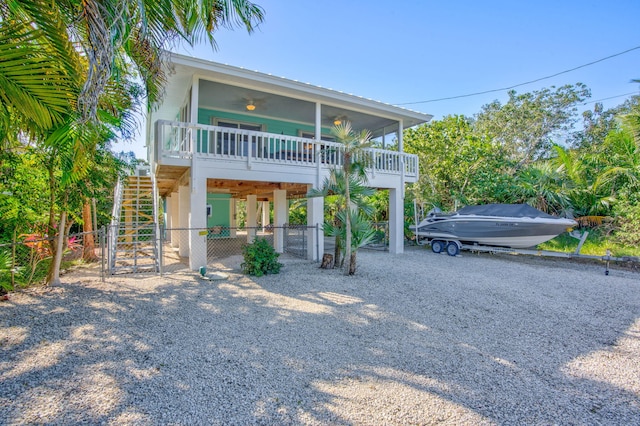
(416, 338)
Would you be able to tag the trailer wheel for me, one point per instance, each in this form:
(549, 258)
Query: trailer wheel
(453, 249)
(437, 246)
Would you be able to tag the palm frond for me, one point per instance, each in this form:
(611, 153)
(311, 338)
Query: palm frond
(33, 84)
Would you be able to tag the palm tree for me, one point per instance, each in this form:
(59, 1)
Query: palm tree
(543, 186)
(334, 186)
(361, 232)
(113, 35)
(351, 154)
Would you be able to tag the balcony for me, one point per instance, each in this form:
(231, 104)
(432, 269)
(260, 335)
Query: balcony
(177, 143)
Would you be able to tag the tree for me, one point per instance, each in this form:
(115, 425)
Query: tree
(527, 124)
(349, 183)
(457, 166)
(114, 35)
(361, 233)
(353, 164)
(333, 189)
(69, 70)
(542, 186)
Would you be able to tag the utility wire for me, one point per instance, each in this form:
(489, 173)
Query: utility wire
(521, 84)
(610, 97)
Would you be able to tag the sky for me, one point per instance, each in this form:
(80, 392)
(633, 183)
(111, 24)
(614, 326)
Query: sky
(410, 51)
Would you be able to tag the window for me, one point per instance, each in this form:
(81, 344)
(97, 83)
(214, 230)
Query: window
(227, 143)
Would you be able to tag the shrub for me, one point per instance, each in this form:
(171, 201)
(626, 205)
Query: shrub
(260, 258)
(628, 221)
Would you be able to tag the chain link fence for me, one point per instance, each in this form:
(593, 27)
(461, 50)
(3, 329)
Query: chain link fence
(27, 260)
(224, 244)
(381, 237)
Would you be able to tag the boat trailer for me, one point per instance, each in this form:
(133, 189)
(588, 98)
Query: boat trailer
(453, 248)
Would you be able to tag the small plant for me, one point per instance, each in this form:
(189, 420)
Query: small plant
(260, 258)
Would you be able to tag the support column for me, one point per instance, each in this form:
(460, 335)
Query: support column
(265, 214)
(198, 223)
(168, 217)
(252, 219)
(175, 219)
(280, 217)
(185, 206)
(318, 136)
(402, 165)
(396, 221)
(233, 208)
(315, 217)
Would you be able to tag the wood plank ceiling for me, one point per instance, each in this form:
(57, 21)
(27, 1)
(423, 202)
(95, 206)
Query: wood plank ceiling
(169, 178)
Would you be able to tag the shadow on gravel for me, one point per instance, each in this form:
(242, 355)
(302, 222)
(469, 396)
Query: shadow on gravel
(452, 340)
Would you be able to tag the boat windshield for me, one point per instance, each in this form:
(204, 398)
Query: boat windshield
(504, 210)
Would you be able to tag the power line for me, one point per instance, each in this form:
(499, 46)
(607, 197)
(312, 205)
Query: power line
(611, 97)
(521, 84)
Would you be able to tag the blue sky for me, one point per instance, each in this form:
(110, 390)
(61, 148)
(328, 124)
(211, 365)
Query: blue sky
(410, 51)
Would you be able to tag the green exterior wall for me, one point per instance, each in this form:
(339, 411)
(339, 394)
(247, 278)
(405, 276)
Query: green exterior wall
(220, 214)
(205, 116)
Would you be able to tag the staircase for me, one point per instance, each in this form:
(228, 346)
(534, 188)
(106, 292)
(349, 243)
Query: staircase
(133, 234)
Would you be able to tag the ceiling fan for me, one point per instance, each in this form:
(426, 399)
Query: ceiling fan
(252, 103)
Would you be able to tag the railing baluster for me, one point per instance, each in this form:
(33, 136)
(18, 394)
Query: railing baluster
(176, 140)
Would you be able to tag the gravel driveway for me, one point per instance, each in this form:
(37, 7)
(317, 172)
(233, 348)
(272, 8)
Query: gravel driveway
(417, 338)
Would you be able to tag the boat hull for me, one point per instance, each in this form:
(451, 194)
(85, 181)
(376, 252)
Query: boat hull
(494, 231)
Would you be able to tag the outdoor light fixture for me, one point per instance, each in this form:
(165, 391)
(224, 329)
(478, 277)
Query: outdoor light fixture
(250, 106)
(337, 121)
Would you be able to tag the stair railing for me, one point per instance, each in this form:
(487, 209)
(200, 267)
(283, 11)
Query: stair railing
(115, 224)
(156, 221)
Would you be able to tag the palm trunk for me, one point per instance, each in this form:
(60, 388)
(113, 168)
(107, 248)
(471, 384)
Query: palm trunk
(337, 254)
(89, 244)
(54, 270)
(347, 239)
(352, 263)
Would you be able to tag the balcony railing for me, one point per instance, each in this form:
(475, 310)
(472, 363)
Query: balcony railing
(181, 141)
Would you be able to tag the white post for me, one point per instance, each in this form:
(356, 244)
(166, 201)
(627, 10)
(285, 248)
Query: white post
(401, 152)
(198, 224)
(234, 219)
(265, 214)
(252, 220)
(280, 216)
(167, 213)
(175, 219)
(195, 99)
(396, 221)
(185, 206)
(318, 136)
(315, 217)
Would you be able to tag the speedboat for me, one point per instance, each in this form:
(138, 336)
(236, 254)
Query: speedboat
(500, 225)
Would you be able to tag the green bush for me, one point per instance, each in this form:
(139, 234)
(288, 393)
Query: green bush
(628, 221)
(260, 258)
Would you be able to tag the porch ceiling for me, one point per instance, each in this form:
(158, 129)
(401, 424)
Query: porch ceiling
(263, 190)
(224, 97)
(168, 178)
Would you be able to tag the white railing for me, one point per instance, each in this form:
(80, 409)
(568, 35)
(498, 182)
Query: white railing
(115, 221)
(176, 140)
